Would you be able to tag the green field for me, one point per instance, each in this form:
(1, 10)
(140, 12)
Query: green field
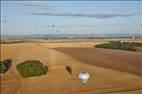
(130, 46)
(31, 68)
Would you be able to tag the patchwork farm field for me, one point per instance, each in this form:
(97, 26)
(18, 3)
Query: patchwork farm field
(111, 71)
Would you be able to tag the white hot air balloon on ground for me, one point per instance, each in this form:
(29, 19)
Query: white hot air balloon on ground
(83, 77)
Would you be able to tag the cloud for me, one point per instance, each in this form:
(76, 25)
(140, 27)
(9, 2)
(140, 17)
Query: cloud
(29, 3)
(101, 16)
(34, 4)
(43, 6)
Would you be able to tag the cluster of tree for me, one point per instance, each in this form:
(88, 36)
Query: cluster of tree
(31, 68)
(28, 68)
(5, 65)
(120, 45)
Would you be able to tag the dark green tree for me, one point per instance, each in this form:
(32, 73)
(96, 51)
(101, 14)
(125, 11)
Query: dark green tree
(5, 65)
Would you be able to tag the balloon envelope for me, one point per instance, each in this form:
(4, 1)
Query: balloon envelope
(5, 21)
(53, 25)
(84, 76)
(35, 25)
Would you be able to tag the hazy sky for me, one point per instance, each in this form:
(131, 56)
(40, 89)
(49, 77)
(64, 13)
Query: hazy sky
(44, 17)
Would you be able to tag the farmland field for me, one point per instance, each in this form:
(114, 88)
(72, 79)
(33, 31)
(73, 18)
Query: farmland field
(111, 71)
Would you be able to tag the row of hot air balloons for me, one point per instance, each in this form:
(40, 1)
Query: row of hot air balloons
(53, 26)
(83, 76)
(50, 26)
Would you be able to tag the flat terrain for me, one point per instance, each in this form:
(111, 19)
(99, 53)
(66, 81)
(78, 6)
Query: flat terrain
(112, 71)
(125, 61)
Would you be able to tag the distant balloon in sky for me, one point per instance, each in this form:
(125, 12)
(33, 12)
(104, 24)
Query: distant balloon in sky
(35, 25)
(4, 20)
(53, 25)
(83, 77)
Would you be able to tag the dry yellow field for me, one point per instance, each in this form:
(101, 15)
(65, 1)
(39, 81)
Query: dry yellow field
(119, 72)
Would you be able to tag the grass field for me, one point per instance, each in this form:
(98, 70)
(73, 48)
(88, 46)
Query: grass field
(111, 71)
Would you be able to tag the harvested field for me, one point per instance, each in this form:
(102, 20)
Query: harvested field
(122, 77)
(124, 61)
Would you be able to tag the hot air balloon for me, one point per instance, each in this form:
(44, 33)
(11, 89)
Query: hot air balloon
(53, 25)
(4, 20)
(57, 31)
(35, 25)
(83, 77)
(69, 69)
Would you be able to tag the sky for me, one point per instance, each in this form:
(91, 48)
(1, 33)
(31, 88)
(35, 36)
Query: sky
(70, 17)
